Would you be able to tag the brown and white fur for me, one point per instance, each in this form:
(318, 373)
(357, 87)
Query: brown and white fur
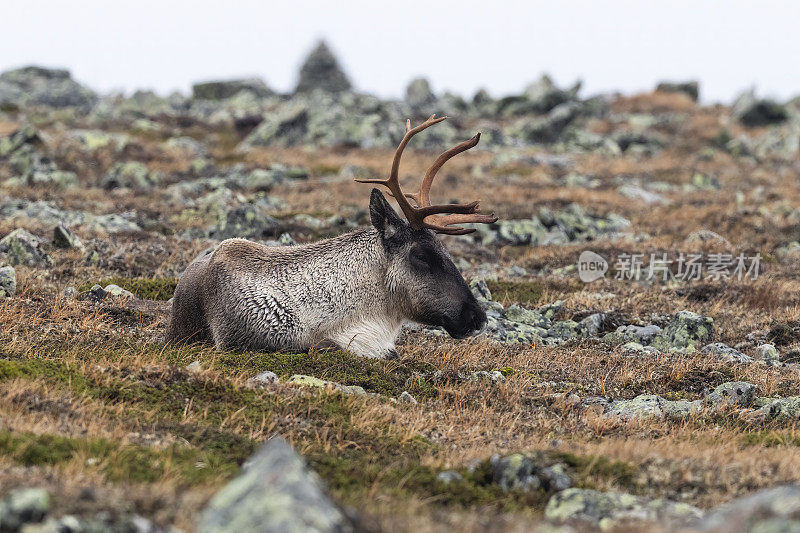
(354, 291)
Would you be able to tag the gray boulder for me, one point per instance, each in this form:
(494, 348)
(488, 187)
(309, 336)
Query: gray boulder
(113, 223)
(43, 212)
(753, 112)
(23, 506)
(64, 238)
(782, 409)
(642, 406)
(689, 88)
(25, 136)
(224, 89)
(8, 282)
(21, 247)
(726, 353)
(32, 168)
(288, 126)
(43, 86)
(275, 492)
(264, 378)
(608, 510)
(528, 472)
(768, 353)
(321, 71)
(246, 221)
(651, 406)
(129, 174)
(419, 95)
(542, 96)
(776, 509)
(116, 290)
(685, 333)
(546, 129)
(514, 471)
(643, 335)
(739, 393)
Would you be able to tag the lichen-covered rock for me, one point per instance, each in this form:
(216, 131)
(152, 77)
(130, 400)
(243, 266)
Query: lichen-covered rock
(651, 406)
(113, 223)
(529, 317)
(116, 290)
(514, 471)
(23, 136)
(275, 492)
(768, 353)
(321, 71)
(130, 174)
(480, 290)
(224, 89)
(95, 294)
(23, 506)
(419, 94)
(556, 478)
(785, 409)
(769, 510)
(8, 282)
(286, 127)
(608, 509)
(590, 326)
(20, 247)
(449, 476)
(264, 378)
(685, 333)
(545, 129)
(752, 111)
(739, 393)
(568, 225)
(565, 330)
(680, 408)
(59, 179)
(311, 381)
(406, 397)
(495, 376)
(30, 167)
(103, 521)
(64, 238)
(41, 211)
(542, 96)
(726, 353)
(642, 335)
(642, 406)
(43, 86)
(245, 221)
(689, 88)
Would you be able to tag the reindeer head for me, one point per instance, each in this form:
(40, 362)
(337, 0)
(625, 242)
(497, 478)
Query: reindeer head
(421, 273)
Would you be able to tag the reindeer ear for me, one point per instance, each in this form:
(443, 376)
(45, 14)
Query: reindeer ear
(383, 217)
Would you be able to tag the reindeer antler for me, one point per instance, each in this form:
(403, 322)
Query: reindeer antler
(425, 215)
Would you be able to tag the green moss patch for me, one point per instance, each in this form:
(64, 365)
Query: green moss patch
(352, 475)
(771, 438)
(528, 292)
(596, 466)
(144, 288)
(129, 463)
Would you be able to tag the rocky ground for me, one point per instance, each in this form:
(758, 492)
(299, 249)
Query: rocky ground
(616, 404)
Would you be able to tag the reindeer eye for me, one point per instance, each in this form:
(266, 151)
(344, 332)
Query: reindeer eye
(421, 259)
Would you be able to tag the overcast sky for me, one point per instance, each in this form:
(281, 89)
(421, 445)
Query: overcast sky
(612, 45)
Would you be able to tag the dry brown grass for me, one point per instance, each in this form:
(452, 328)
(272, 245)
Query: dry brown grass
(108, 359)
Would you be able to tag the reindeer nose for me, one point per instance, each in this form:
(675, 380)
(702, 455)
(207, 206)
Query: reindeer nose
(473, 316)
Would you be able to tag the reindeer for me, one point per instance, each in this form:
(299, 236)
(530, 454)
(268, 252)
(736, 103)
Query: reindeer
(355, 291)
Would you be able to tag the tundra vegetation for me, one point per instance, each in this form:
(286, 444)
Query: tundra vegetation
(614, 404)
